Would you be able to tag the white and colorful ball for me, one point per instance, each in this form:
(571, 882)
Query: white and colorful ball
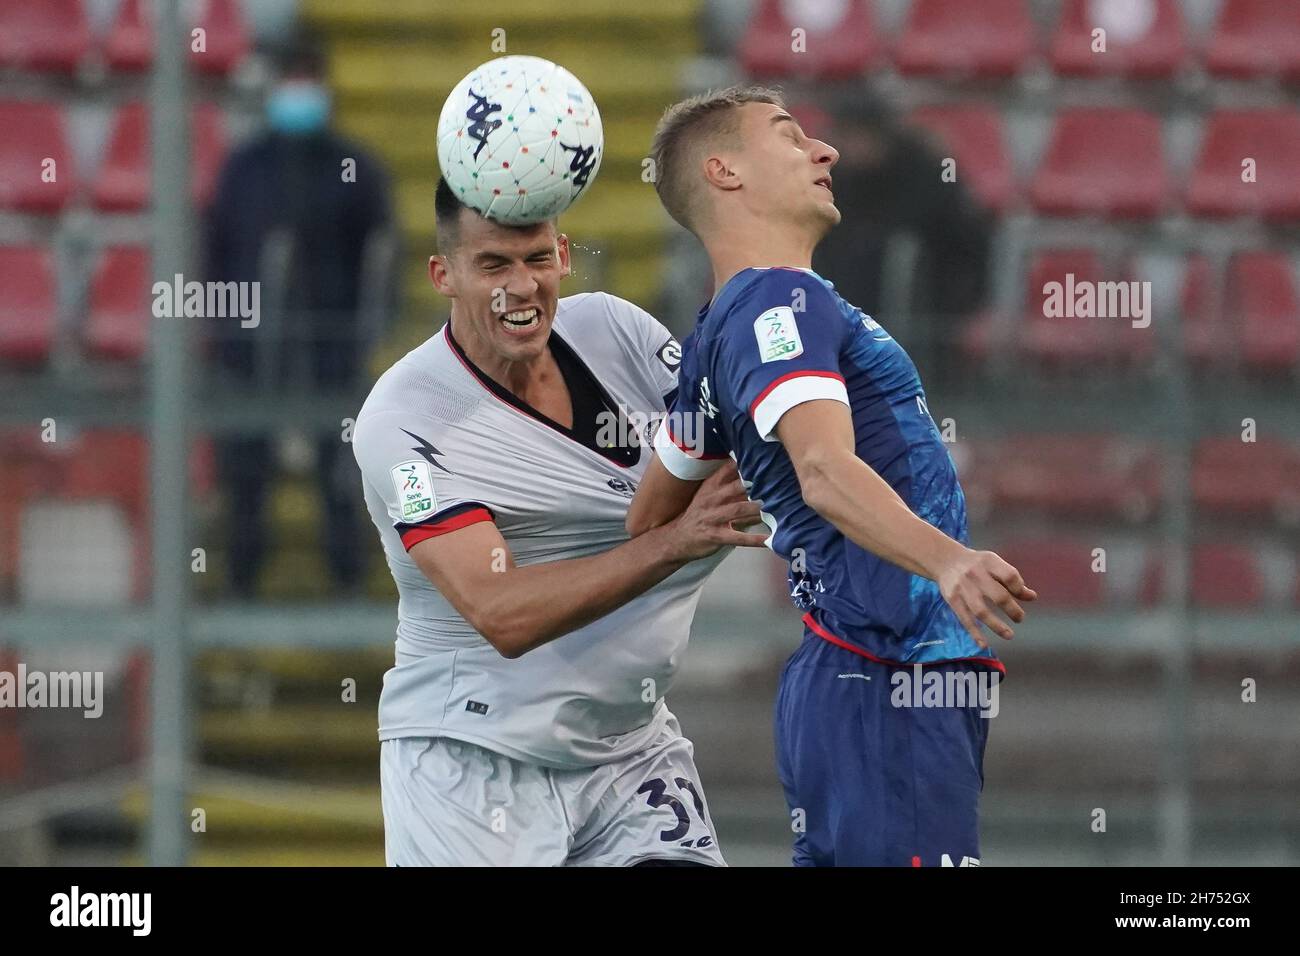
(520, 139)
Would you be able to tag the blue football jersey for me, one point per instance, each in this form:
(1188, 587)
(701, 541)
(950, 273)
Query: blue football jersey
(776, 337)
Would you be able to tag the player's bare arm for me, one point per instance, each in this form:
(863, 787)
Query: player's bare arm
(517, 609)
(843, 489)
(662, 496)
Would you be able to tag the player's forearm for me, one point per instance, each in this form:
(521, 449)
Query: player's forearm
(862, 505)
(659, 499)
(533, 605)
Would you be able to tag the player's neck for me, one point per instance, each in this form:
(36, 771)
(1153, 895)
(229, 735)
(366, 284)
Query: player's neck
(533, 380)
(757, 249)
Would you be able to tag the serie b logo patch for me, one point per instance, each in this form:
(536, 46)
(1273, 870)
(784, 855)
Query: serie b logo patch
(778, 335)
(414, 488)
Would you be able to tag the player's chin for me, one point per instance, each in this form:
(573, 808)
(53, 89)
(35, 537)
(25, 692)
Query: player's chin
(521, 344)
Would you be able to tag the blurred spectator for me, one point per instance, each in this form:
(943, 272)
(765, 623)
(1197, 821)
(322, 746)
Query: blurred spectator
(297, 208)
(887, 185)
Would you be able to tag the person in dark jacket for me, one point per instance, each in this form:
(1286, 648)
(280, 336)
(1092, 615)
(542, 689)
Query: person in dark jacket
(888, 185)
(296, 209)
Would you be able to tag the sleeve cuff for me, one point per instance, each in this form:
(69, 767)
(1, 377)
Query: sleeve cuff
(680, 462)
(791, 390)
(453, 519)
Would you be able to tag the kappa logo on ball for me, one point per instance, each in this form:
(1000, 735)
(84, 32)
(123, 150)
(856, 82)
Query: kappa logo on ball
(414, 490)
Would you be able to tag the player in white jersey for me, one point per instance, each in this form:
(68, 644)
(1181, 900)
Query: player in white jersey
(524, 722)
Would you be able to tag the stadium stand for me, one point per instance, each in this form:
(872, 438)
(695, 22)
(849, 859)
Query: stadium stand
(49, 36)
(29, 307)
(1270, 140)
(994, 38)
(842, 41)
(36, 169)
(1155, 52)
(1255, 38)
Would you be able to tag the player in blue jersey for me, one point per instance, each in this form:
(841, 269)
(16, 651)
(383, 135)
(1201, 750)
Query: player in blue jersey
(825, 416)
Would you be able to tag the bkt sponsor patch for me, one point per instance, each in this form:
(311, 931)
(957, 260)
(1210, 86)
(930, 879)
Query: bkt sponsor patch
(778, 335)
(414, 490)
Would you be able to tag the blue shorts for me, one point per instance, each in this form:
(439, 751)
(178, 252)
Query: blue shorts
(869, 783)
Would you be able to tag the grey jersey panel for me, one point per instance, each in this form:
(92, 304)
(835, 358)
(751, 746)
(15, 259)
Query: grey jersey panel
(580, 700)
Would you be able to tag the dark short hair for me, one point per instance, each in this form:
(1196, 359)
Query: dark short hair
(684, 131)
(446, 217)
(447, 207)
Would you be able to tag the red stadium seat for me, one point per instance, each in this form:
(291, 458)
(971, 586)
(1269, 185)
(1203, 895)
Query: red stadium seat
(1260, 295)
(1059, 569)
(974, 136)
(838, 49)
(1068, 339)
(129, 44)
(1220, 576)
(43, 35)
(1255, 37)
(226, 35)
(1085, 476)
(1107, 162)
(125, 178)
(108, 464)
(1133, 48)
(28, 305)
(25, 183)
(1237, 479)
(1272, 139)
(118, 324)
(991, 38)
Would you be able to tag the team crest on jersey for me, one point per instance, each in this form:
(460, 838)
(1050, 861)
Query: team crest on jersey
(414, 490)
(778, 335)
(670, 353)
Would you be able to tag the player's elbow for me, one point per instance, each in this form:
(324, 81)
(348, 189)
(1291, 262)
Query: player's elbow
(817, 482)
(638, 521)
(511, 639)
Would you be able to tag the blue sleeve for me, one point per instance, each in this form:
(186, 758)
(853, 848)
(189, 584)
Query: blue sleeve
(781, 347)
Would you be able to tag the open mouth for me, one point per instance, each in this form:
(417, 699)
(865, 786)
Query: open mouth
(523, 320)
(825, 183)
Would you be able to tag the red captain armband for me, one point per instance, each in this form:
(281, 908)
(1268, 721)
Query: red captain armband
(453, 519)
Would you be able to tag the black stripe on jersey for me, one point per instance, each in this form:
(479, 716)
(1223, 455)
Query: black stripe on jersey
(402, 527)
(588, 398)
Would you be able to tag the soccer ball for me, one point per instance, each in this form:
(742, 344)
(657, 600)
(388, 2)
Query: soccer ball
(519, 139)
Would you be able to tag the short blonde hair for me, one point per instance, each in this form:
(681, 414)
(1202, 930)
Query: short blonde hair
(683, 133)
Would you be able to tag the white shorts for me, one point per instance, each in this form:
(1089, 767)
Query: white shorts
(451, 803)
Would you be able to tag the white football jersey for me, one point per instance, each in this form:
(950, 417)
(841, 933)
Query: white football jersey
(440, 448)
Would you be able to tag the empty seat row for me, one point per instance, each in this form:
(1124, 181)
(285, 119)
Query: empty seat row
(1110, 477)
(997, 38)
(118, 312)
(1111, 162)
(1067, 574)
(91, 474)
(1252, 321)
(55, 36)
(29, 183)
